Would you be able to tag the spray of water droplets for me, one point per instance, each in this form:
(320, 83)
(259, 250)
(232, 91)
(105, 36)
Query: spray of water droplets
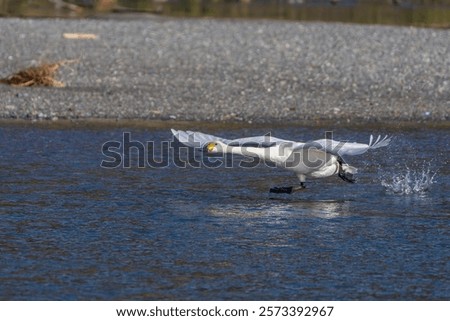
(410, 182)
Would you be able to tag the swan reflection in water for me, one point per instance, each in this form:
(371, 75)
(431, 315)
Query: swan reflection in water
(279, 224)
(276, 209)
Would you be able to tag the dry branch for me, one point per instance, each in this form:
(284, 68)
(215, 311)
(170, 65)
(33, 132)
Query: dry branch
(41, 75)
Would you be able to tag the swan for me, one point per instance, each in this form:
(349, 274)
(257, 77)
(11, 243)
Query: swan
(316, 159)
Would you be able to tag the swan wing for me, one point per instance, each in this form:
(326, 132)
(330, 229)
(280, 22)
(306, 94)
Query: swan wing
(259, 141)
(346, 148)
(199, 140)
(196, 139)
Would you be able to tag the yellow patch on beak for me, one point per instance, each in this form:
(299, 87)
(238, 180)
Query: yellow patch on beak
(210, 147)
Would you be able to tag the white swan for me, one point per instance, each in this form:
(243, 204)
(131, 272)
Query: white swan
(319, 158)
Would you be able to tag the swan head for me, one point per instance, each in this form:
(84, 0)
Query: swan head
(215, 147)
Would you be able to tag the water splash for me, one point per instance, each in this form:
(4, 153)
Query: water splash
(411, 182)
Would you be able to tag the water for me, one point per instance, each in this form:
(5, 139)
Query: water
(410, 182)
(71, 230)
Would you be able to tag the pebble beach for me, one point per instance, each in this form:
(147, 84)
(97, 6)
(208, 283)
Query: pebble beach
(223, 70)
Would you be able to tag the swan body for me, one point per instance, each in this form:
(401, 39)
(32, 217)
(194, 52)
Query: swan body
(317, 159)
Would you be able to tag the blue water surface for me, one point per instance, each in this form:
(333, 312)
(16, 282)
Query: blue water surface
(72, 230)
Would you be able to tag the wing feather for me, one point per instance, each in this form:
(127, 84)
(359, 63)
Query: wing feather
(196, 139)
(199, 140)
(347, 148)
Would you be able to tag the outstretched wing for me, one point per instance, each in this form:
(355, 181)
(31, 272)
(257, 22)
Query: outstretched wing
(346, 148)
(199, 140)
(196, 139)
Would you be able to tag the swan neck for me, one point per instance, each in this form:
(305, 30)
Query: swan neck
(246, 151)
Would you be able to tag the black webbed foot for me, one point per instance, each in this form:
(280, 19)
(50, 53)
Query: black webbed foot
(281, 190)
(287, 190)
(347, 177)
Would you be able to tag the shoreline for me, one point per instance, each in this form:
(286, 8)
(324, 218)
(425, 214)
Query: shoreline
(142, 124)
(229, 71)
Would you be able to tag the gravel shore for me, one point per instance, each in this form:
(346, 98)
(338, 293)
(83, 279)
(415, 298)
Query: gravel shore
(228, 70)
